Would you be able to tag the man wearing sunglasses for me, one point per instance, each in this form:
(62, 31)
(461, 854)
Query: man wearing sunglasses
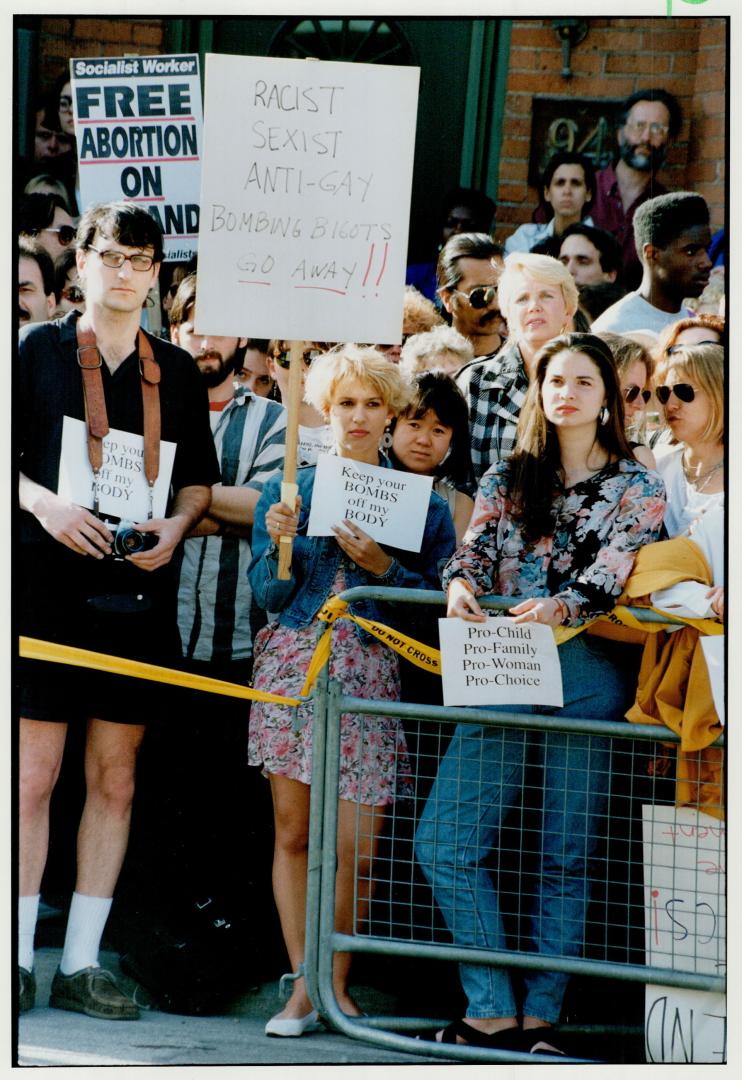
(71, 590)
(649, 120)
(673, 235)
(469, 268)
(44, 217)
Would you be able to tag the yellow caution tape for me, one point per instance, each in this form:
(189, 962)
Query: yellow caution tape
(423, 656)
(34, 649)
(621, 617)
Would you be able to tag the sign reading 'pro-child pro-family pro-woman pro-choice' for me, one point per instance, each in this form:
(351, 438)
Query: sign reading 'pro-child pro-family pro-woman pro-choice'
(305, 198)
(499, 662)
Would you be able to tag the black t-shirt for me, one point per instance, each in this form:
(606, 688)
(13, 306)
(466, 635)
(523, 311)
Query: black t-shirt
(55, 581)
(50, 387)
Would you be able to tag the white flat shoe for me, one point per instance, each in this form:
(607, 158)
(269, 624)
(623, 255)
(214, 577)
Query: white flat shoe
(286, 1028)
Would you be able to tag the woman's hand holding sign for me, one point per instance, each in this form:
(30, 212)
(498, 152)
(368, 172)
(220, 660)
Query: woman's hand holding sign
(462, 603)
(281, 521)
(364, 551)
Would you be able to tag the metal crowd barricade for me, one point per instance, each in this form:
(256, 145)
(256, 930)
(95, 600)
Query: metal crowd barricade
(411, 929)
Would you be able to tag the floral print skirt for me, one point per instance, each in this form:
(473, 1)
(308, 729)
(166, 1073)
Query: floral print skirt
(374, 764)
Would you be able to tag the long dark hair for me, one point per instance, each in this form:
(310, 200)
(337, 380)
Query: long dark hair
(535, 467)
(436, 391)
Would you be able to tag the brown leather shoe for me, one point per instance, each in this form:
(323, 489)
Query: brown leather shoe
(26, 990)
(92, 991)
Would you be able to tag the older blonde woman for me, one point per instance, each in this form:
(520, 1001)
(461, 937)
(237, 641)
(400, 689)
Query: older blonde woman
(358, 391)
(440, 349)
(538, 298)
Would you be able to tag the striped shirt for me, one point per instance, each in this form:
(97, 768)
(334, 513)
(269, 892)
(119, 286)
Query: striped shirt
(495, 388)
(216, 615)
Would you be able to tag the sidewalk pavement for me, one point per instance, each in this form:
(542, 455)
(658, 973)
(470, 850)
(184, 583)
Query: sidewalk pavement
(54, 1037)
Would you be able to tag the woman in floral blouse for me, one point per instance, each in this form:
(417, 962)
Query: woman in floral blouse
(559, 523)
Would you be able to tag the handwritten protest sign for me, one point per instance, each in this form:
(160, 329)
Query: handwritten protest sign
(685, 929)
(391, 506)
(138, 127)
(305, 198)
(123, 487)
(499, 662)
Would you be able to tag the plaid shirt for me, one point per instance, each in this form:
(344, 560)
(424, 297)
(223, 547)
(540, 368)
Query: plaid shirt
(495, 388)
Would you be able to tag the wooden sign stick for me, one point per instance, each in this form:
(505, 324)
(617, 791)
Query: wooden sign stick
(289, 487)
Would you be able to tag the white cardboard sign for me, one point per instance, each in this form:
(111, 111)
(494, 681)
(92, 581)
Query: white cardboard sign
(685, 929)
(305, 198)
(138, 127)
(713, 653)
(391, 506)
(123, 487)
(499, 662)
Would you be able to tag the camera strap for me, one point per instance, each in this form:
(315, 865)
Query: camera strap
(96, 416)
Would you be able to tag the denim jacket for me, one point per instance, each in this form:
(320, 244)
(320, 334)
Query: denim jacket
(315, 560)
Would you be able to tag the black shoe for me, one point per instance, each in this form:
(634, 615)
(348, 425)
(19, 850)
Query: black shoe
(544, 1040)
(92, 991)
(26, 990)
(507, 1039)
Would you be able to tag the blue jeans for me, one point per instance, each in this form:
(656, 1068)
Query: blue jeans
(480, 779)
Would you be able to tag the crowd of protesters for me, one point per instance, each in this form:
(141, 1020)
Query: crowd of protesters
(566, 393)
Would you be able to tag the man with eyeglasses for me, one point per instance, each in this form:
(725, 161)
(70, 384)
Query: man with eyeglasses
(673, 235)
(469, 267)
(73, 591)
(650, 120)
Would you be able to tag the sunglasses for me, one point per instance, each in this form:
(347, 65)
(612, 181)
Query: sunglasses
(283, 359)
(683, 391)
(481, 297)
(631, 393)
(65, 234)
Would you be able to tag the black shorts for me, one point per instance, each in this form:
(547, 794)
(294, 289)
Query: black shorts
(104, 606)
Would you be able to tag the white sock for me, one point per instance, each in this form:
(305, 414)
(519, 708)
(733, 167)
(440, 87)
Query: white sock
(28, 910)
(85, 925)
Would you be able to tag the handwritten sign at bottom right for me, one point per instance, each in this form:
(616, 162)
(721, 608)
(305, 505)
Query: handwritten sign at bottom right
(685, 929)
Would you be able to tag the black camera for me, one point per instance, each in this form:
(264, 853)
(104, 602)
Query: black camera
(129, 541)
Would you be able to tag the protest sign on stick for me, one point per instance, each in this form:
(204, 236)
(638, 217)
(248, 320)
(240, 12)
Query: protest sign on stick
(138, 131)
(305, 198)
(305, 201)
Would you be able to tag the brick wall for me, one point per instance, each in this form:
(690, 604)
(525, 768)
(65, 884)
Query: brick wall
(685, 56)
(63, 38)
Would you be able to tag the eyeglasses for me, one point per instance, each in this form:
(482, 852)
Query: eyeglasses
(678, 348)
(632, 392)
(480, 297)
(73, 294)
(683, 391)
(116, 259)
(283, 359)
(65, 102)
(65, 234)
(638, 127)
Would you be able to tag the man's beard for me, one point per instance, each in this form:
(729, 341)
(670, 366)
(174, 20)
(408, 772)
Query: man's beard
(215, 376)
(651, 162)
